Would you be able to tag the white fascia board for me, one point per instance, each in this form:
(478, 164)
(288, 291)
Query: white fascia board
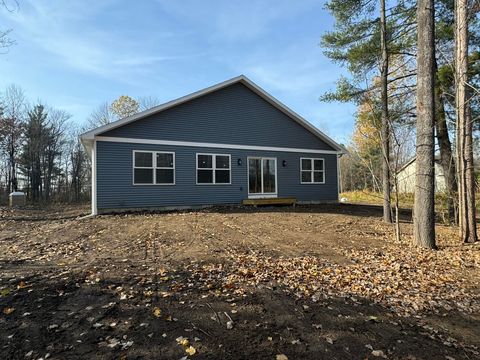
(211, 145)
(90, 135)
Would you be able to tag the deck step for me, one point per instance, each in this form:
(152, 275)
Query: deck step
(271, 201)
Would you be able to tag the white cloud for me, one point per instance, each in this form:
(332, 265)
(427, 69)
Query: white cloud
(236, 20)
(146, 60)
(64, 31)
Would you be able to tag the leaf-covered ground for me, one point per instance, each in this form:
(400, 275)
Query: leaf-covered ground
(322, 282)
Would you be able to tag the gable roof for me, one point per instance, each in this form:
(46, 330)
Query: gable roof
(89, 136)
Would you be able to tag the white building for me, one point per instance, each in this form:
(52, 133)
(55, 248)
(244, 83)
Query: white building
(406, 177)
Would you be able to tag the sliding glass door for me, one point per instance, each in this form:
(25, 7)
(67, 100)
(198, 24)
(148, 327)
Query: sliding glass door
(262, 177)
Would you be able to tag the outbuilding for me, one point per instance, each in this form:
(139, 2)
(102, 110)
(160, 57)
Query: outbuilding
(406, 177)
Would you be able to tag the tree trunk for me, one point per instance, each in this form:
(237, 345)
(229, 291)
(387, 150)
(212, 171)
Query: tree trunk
(424, 208)
(470, 180)
(446, 154)
(466, 193)
(385, 133)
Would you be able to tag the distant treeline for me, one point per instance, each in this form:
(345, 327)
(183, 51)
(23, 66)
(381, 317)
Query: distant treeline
(40, 152)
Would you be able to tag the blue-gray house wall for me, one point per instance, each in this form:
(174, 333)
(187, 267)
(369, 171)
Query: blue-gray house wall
(233, 115)
(240, 123)
(115, 189)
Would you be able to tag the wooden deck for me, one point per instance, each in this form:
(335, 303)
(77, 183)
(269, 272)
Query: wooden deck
(271, 201)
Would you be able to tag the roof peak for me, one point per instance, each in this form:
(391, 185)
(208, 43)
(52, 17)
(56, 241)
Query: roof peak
(89, 136)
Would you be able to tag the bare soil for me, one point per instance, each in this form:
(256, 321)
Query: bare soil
(311, 282)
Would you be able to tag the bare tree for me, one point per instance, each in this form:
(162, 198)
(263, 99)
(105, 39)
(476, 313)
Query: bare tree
(147, 102)
(466, 180)
(54, 141)
(5, 40)
(446, 154)
(102, 115)
(78, 160)
(387, 210)
(424, 207)
(12, 122)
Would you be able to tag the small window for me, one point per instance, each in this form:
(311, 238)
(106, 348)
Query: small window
(153, 167)
(213, 169)
(312, 171)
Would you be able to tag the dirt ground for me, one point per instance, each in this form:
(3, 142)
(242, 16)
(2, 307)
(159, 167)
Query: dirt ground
(311, 282)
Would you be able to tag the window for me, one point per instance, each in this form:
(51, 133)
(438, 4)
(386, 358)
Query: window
(213, 169)
(153, 168)
(312, 171)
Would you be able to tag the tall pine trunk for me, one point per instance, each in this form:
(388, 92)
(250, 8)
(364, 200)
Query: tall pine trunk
(466, 183)
(385, 138)
(446, 154)
(470, 180)
(424, 208)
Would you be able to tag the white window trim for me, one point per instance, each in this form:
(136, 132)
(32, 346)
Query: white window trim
(312, 171)
(153, 167)
(262, 195)
(213, 168)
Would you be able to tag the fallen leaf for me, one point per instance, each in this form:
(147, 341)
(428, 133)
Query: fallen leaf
(281, 357)
(8, 310)
(157, 312)
(182, 341)
(378, 353)
(190, 350)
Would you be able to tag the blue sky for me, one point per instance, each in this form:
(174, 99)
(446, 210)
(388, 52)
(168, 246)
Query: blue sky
(74, 55)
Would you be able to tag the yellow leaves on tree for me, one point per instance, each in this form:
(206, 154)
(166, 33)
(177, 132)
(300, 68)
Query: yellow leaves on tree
(366, 136)
(124, 106)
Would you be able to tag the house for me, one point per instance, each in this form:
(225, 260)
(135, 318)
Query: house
(406, 177)
(220, 145)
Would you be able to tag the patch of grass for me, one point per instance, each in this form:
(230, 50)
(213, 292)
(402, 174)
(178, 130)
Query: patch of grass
(370, 197)
(406, 199)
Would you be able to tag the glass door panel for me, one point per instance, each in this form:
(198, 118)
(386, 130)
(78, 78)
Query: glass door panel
(254, 176)
(262, 178)
(269, 176)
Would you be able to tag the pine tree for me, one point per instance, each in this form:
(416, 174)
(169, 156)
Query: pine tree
(364, 42)
(466, 199)
(424, 207)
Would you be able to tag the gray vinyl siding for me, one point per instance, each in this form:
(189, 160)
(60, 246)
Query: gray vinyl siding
(115, 187)
(232, 115)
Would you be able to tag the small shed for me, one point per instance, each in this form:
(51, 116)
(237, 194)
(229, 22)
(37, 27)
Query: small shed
(17, 198)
